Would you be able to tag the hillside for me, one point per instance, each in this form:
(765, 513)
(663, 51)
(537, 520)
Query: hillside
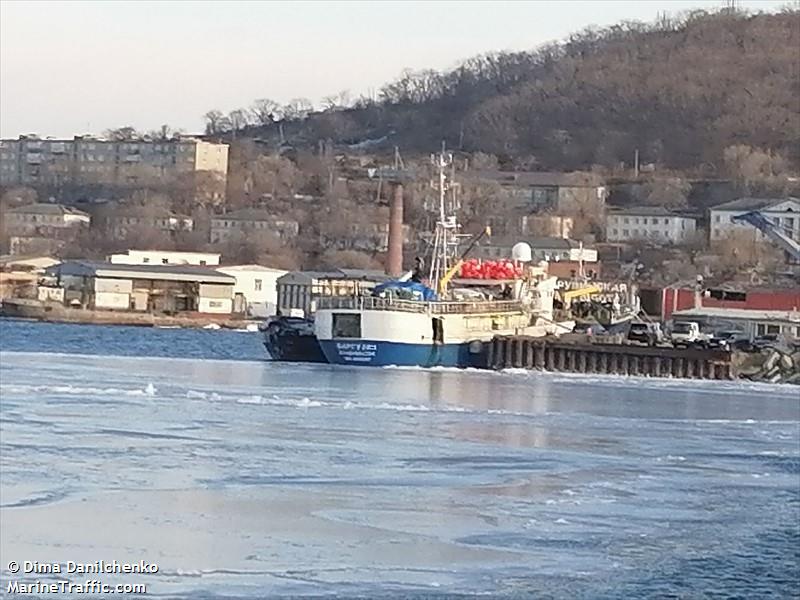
(680, 90)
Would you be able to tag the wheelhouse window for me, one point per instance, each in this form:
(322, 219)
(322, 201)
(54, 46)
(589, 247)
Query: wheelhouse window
(346, 325)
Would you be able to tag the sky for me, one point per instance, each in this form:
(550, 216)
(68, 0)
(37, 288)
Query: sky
(68, 68)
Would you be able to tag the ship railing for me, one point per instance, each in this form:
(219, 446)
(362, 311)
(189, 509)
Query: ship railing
(416, 306)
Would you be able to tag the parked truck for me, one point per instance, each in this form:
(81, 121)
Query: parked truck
(688, 333)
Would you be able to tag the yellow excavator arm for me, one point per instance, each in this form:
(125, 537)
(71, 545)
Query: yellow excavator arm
(570, 295)
(449, 275)
(455, 268)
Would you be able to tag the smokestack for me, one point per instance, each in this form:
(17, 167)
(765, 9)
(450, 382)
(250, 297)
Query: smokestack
(394, 257)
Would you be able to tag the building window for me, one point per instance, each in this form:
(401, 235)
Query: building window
(717, 219)
(773, 329)
(258, 285)
(164, 261)
(625, 220)
(615, 232)
(146, 259)
(203, 263)
(625, 233)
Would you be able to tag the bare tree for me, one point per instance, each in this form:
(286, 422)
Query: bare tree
(297, 108)
(214, 120)
(238, 119)
(265, 111)
(672, 192)
(348, 259)
(122, 134)
(164, 133)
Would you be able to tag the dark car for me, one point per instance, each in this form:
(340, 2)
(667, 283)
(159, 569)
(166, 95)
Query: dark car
(767, 340)
(648, 334)
(729, 340)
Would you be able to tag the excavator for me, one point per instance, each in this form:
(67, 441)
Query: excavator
(773, 231)
(569, 295)
(487, 232)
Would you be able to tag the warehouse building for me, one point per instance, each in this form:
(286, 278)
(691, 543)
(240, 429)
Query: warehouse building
(752, 323)
(168, 289)
(298, 291)
(256, 289)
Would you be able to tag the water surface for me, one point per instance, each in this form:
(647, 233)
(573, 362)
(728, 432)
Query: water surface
(247, 479)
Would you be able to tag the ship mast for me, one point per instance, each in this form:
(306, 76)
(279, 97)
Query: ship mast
(444, 242)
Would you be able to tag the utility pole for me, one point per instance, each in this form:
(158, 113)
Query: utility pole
(636, 164)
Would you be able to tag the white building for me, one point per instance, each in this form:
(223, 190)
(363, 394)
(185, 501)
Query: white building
(784, 212)
(256, 288)
(649, 223)
(164, 257)
(551, 249)
(752, 322)
(167, 289)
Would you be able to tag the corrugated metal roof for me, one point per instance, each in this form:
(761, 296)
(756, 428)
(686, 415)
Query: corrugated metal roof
(752, 203)
(44, 208)
(535, 178)
(226, 268)
(249, 214)
(156, 272)
(650, 211)
(352, 274)
(740, 313)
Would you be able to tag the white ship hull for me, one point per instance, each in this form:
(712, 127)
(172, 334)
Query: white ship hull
(366, 332)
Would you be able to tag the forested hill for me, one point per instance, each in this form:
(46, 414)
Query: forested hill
(680, 90)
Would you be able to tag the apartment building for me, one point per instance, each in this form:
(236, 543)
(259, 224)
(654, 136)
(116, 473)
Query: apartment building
(536, 191)
(31, 160)
(42, 227)
(43, 217)
(652, 223)
(124, 221)
(248, 221)
(783, 212)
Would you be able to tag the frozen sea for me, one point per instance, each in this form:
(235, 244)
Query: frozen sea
(246, 479)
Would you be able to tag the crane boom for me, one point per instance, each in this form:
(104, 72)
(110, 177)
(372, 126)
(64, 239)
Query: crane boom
(771, 230)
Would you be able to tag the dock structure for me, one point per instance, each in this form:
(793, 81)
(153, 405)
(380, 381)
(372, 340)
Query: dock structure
(505, 352)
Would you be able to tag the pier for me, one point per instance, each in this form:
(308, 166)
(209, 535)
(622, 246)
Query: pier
(505, 352)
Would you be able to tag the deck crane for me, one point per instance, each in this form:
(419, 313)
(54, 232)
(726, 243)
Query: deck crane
(772, 231)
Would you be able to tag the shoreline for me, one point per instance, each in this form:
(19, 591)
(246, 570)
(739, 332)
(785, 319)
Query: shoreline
(33, 310)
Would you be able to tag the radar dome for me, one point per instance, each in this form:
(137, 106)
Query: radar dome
(521, 252)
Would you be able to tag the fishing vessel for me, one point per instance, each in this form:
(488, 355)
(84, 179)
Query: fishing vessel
(291, 339)
(409, 323)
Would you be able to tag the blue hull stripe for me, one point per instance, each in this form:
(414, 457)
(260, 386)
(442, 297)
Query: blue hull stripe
(379, 354)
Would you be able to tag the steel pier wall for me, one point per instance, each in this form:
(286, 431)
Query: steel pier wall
(505, 352)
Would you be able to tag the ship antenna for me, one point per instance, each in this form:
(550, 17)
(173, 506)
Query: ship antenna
(442, 242)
